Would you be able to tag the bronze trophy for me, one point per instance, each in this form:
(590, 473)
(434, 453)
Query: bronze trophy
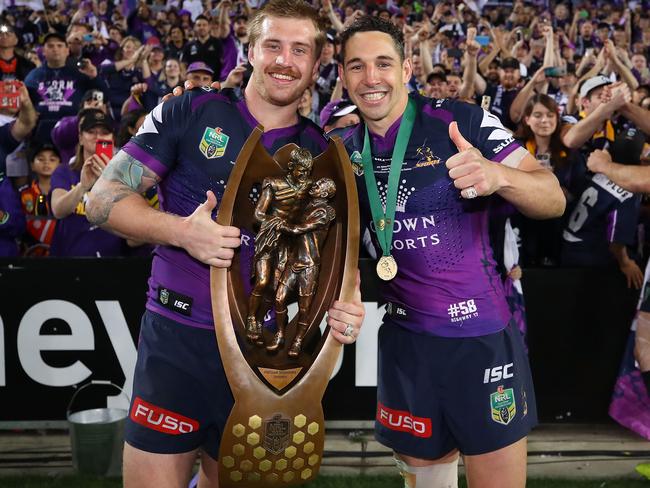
(302, 214)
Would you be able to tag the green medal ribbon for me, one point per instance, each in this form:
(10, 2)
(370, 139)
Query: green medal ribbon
(384, 220)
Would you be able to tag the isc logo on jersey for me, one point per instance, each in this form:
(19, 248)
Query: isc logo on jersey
(492, 375)
(213, 143)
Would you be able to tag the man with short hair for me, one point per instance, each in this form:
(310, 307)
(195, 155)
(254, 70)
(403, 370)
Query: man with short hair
(204, 47)
(502, 94)
(57, 89)
(448, 360)
(187, 145)
(437, 85)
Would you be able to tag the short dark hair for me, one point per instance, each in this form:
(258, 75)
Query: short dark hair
(201, 17)
(369, 23)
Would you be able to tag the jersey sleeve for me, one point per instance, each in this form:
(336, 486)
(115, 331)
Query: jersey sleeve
(156, 143)
(622, 222)
(486, 133)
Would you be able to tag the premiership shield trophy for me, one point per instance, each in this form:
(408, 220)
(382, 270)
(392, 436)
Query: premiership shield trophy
(299, 217)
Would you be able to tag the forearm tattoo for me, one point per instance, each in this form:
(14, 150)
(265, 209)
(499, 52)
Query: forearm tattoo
(123, 177)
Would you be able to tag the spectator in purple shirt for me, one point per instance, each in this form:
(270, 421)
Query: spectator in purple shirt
(57, 89)
(74, 235)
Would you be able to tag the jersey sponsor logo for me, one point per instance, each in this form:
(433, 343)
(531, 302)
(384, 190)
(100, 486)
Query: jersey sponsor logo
(213, 143)
(492, 375)
(395, 310)
(412, 225)
(402, 421)
(612, 188)
(160, 419)
(464, 310)
(357, 163)
(503, 405)
(175, 301)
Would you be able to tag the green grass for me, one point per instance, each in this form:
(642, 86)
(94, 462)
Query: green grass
(322, 482)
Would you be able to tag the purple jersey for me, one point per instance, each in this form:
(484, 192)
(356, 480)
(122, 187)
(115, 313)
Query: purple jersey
(447, 275)
(192, 143)
(74, 235)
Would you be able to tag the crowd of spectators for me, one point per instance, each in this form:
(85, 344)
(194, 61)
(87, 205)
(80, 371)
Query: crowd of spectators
(569, 79)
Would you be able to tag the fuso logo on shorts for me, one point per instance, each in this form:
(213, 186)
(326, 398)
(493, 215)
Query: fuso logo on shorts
(162, 420)
(403, 421)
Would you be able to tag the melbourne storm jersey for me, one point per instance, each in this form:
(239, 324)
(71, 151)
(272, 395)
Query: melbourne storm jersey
(447, 277)
(604, 213)
(192, 143)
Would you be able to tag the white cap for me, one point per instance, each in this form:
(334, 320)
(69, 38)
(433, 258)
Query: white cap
(344, 111)
(593, 83)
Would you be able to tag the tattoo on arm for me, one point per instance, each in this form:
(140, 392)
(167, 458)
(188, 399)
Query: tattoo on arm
(123, 177)
(127, 170)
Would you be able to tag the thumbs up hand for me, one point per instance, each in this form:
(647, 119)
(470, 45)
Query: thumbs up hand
(473, 175)
(206, 240)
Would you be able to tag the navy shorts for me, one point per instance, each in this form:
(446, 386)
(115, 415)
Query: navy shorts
(437, 394)
(181, 398)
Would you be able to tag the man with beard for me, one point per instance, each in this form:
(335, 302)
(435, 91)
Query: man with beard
(423, 164)
(204, 47)
(187, 146)
(503, 94)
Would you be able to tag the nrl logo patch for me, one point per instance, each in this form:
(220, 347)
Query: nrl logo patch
(213, 143)
(164, 296)
(503, 405)
(357, 164)
(276, 434)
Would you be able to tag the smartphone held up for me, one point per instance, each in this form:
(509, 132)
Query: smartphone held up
(103, 146)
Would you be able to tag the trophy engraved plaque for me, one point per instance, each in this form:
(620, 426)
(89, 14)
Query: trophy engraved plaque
(299, 217)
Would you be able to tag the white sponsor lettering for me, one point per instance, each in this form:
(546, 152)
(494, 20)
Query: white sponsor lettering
(32, 341)
(612, 188)
(405, 421)
(497, 373)
(181, 305)
(165, 421)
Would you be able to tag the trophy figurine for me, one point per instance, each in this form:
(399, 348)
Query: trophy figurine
(301, 211)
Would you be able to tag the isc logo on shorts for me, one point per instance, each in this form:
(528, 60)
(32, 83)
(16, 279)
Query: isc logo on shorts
(403, 421)
(162, 420)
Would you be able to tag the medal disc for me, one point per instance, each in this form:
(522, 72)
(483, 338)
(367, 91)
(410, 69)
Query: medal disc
(387, 268)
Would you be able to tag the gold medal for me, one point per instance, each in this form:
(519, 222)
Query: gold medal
(387, 268)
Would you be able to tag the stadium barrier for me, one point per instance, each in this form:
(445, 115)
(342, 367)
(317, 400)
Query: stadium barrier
(65, 322)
